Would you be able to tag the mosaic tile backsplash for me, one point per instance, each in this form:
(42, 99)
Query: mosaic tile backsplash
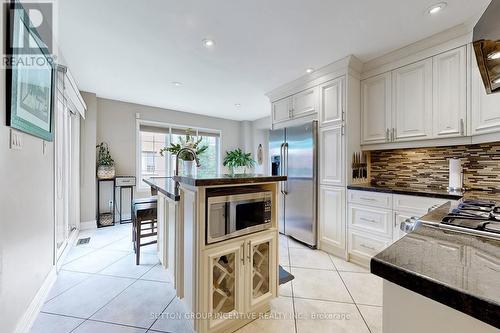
(428, 167)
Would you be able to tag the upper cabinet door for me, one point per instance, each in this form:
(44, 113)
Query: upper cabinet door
(485, 108)
(331, 102)
(305, 102)
(376, 109)
(332, 156)
(449, 94)
(281, 110)
(412, 101)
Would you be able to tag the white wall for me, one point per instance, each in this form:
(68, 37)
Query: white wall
(88, 128)
(260, 135)
(27, 220)
(116, 125)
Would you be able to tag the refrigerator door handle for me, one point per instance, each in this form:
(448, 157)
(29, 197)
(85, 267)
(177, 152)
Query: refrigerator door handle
(285, 191)
(282, 161)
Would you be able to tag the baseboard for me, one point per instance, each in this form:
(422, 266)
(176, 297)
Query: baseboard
(29, 317)
(88, 225)
(360, 260)
(338, 252)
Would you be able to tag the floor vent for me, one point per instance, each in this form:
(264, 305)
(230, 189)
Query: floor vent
(82, 241)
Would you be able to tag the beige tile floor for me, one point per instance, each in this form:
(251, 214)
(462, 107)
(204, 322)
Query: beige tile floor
(100, 289)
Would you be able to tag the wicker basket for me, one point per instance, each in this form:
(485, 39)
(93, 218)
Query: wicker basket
(106, 219)
(105, 172)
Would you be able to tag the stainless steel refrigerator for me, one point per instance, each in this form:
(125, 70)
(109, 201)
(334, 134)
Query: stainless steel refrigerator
(293, 153)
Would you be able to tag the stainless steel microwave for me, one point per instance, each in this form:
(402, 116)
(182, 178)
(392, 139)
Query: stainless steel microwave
(233, 212)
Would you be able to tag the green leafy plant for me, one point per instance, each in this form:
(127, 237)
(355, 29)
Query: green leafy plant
(103, 155)
(238, 158)
(187, 142)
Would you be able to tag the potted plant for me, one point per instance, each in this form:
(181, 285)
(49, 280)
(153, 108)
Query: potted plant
(237, 158)
(105, 164)
(188, 141)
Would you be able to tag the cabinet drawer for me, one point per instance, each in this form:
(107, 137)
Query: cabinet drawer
(411, 203)
(371, 219)
(125, 181)
(365, 244)
(380, 200)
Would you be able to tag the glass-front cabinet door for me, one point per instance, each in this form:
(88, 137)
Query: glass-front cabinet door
(226, 283)
(262, 272)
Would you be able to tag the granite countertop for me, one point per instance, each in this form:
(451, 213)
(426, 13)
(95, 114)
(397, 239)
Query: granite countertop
(165, 185)
(424, 192)
(210, 179)
(456, 269)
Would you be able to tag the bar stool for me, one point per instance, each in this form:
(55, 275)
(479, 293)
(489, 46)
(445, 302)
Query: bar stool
(144, 226)
(136, 201)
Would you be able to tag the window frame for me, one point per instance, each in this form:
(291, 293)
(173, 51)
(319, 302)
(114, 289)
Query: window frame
(142, 186)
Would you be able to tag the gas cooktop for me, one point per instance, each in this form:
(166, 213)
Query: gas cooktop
(480, 215)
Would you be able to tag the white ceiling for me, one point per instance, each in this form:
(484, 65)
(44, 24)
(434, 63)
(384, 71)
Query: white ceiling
(133, 50)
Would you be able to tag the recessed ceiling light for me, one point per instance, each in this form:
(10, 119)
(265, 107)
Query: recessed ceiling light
(208, 42)
(309, 70)
(436, 8)
(494, 55)
(238, 105)
(177, 83)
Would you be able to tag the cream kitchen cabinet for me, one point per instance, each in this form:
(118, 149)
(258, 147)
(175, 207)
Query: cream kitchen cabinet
(282, 110)
(305, 102)
(331, 110)
(374, 220)
(485, 108)
(298, 105)
(412, 102)
(242, 278)
(449, 94)
(332, 228)
(331, 156)
(376, 108)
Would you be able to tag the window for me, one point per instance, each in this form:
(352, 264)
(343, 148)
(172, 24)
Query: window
(154, 136)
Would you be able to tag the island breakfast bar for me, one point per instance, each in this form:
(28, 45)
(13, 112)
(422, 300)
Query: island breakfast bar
(218, 239)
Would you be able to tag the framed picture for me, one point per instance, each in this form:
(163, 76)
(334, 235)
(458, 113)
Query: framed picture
(30, 77)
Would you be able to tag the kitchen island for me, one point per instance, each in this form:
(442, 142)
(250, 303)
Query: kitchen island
(221, 255)
(439, 280)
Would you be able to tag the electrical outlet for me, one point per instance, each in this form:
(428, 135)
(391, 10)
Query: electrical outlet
(16, 140)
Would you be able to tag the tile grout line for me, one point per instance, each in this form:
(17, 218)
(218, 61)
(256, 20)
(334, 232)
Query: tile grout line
(291, 287)
(113, 298)
(162, 311)
(67, 270)
(356, 305)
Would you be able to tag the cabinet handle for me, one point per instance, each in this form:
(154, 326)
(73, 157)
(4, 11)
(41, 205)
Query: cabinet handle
(367, 199)
(368, 247)
(249, 251)
(367, 220)
(462, 127)
(243, 253)
(387, 135)
(393, 134)
(342, 130)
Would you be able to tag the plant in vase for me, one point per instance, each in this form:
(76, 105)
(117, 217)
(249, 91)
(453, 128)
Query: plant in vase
(105, 164)
(188, 141)
(238, 158)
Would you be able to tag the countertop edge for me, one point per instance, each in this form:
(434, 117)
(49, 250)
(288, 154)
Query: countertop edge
(404, 192)
(227, 181)
(471, 305)
(162, 190)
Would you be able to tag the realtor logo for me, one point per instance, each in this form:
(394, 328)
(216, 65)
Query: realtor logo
(35, 30)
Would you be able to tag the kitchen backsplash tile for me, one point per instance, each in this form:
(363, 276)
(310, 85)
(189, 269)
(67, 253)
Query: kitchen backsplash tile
(428, 167)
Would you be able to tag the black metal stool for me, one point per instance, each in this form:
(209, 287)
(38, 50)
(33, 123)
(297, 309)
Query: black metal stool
(144, 225)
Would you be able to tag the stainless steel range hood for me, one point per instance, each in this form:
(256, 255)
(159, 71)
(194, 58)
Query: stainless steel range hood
(487, 47)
